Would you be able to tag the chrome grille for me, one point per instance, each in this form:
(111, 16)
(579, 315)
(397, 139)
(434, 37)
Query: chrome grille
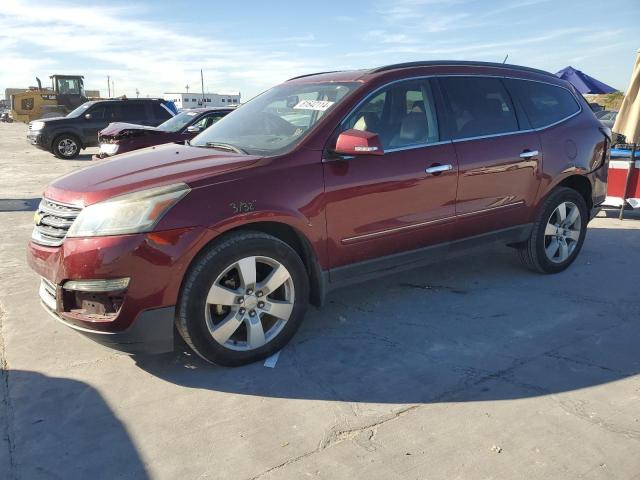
(48, 293)
(53, 220)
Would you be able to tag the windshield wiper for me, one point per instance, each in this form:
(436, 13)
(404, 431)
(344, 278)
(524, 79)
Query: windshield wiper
(227, 147)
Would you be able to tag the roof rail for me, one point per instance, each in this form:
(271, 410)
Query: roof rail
(312, 74)
(453, 63)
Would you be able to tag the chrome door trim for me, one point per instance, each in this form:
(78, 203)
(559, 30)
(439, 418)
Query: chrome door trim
(490, 209)
(382, 233)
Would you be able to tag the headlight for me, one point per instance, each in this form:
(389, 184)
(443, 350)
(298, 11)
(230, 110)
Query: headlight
(109, 148)
(131, 213)
(37, 125)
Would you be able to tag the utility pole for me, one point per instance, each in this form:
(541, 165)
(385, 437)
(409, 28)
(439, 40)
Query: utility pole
(202, 82)
(187, 88)
(113, 87)
(109, 85)
(137, 93)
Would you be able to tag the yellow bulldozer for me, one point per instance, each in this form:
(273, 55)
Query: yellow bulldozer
(66, 93)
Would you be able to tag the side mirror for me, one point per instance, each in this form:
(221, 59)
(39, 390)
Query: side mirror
(87, 116)
(193, 129)
(357, 142)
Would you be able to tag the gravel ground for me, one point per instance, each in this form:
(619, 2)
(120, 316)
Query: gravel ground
(473, 369)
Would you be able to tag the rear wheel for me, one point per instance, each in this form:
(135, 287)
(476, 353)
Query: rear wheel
(243, 300)
(558, 232)
(66, 146)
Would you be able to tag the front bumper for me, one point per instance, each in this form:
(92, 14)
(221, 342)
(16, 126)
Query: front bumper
(151, 333)
(143, 318)
(39, 139)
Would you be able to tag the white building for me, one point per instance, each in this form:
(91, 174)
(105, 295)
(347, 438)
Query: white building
(195, 100)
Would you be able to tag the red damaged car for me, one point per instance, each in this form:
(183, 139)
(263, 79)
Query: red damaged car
(318, 182)
(120, 137)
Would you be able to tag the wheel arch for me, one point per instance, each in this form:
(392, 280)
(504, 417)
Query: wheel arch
(289, 235)
(72, 132)
(580, 184)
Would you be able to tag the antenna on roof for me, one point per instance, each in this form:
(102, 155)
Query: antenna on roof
(505, 58)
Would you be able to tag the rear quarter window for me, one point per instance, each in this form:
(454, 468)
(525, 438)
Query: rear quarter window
(160, 112)
(544, 103)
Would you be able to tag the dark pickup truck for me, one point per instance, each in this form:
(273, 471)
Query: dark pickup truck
(66, 136)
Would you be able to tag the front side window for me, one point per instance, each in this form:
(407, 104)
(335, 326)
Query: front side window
(543, 103)
(81, 110)
(97, 113)
(277, 120)
(478, 106)
(402, 115)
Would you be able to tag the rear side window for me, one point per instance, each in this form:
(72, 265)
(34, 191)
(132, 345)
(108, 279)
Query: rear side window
(543, 103)
(133, 111)
(160, 112)
(478, 106)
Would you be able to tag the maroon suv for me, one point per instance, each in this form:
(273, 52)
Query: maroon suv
(323, 180)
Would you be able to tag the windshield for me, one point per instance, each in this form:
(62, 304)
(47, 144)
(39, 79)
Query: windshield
(80, 110)
(276, 120)
(174, 124)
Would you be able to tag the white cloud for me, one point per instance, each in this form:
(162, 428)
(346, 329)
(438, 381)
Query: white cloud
(136, 53)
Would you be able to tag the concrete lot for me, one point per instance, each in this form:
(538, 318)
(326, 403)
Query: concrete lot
(474, 369)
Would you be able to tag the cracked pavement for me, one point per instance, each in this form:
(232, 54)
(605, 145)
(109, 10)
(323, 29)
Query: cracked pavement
(473, 369)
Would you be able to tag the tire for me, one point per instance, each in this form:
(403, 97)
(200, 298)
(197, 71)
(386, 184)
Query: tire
(63, 146)
(537, 253)
(214, 286)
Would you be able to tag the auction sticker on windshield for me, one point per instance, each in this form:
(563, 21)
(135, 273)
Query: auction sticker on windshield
(320, 105)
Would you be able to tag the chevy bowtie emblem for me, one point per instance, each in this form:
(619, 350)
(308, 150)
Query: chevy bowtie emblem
(36, 218)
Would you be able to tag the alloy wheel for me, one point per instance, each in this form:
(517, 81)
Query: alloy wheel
(249, 303)
(67, 147)
(562, 232)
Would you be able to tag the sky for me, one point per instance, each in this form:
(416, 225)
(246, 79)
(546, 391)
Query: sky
(249, 46)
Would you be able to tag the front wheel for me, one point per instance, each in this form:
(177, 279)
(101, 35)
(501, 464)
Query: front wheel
(558, 232)
(66, 146)
(243, 299)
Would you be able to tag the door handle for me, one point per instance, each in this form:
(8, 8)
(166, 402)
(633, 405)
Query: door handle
(529, 154)
(438, 169)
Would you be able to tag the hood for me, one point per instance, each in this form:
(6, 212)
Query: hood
(120, 129)
(145, 168)
(49, 120)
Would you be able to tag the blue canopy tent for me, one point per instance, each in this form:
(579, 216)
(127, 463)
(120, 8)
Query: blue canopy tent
(583, 82)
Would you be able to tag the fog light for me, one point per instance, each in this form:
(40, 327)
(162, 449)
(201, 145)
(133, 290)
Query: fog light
(97, 285)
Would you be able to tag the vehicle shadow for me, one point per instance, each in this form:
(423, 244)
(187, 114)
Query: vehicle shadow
(630, 214)
(475, 328)
(19, 204)
(84, 157)
(62, 428)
